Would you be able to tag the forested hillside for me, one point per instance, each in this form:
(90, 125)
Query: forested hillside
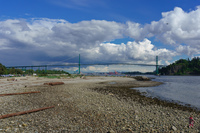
(4, 70)
(182, 67)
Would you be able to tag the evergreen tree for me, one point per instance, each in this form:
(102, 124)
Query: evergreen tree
(2, 69)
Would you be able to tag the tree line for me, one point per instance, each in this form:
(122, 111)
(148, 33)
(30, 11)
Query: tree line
(182, 67)
(5, 71)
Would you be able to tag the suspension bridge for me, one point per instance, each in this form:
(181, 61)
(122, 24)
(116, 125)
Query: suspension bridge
(82, 64)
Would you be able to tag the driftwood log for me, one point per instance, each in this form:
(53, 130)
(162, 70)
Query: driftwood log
(54, 83)
(24, 112)
(11, 79)
(19, 93)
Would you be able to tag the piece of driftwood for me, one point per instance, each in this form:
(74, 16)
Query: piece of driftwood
(24, 112)
(19, 93)
(54, 83)
(11, 79)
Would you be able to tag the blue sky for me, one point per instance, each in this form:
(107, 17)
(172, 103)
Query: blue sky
(36, 32)
(140, 11)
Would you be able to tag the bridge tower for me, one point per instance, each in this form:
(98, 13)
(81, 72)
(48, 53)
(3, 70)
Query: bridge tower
(45, 69)
(157, 65)
(79, 64)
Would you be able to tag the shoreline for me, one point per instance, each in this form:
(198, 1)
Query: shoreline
(135, 95)
(94, 104)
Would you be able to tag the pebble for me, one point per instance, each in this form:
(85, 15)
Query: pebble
(78, 108)
(174, 128)
(111, 131)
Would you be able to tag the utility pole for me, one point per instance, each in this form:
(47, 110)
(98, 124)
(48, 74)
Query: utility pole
(79, 63)
(156, 65)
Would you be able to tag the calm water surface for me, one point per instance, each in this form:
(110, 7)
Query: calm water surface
(184, 89)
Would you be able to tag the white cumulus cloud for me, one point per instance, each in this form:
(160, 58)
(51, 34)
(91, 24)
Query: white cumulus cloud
(48, 40)
(177, 27)
(142, 51)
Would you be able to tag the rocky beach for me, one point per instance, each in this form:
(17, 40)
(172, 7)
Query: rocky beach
(90, 104)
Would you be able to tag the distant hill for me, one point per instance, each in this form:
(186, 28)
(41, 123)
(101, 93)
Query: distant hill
(182, 67)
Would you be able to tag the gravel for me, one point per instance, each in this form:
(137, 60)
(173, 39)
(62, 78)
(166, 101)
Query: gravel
(94, 104)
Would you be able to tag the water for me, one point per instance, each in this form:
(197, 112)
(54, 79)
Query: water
(181, 89)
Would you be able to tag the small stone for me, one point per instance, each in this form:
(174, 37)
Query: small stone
(174, 128)
(24, 124)
(129, 129)
(7, 129)
(110, 94)
(16, 129)
(111, 131)
(136, 112)
(136, 117)
(151, 125)
(123, 128)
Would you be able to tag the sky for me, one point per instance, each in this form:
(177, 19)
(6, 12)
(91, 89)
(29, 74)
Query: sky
(38, 32)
